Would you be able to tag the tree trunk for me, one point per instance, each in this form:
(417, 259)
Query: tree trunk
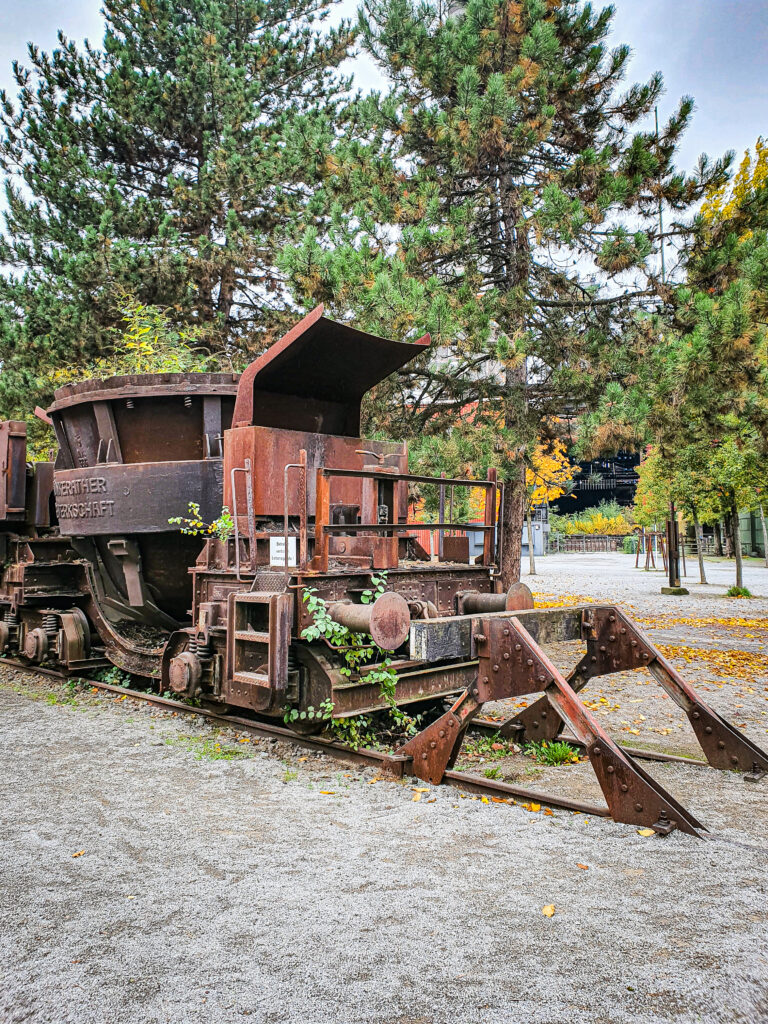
(531, 557)
(512, 532)
(765, 535)
(699, 533)
(718, 540)
(736, 542)
(728, 533)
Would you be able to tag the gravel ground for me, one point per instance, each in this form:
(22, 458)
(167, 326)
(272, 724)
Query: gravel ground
(155, 870)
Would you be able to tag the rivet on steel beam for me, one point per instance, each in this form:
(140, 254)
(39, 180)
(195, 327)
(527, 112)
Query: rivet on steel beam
(622, 631)
(611, 638)
(543, 714)
(603, 648)
(486, 679)
(529, 662)
(518, 647)
(708, 728)
(611, 769)
(442, 734)
(638, 807)
(506, 632)
(451, 723)
(475, 691)
(535, 723)
(696, 714)
(597, 751)
(644, 655)
(611, 618)
(734, 760)
(593, 659)
(633, 643)
(721, 745)
(506, 655)
(624, 787)
(423, 757)
(433, 744)
(480, 638)
(542, 679)
(495, 668)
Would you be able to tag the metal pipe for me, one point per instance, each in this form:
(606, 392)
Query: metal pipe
(387, 620)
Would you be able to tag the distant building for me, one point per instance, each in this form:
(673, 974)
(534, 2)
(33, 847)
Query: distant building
(607, 479)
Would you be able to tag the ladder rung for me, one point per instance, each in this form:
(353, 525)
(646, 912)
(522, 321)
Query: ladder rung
(257, 678)
(252, 636)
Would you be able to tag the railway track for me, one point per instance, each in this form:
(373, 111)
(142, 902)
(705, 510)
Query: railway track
(389, 764)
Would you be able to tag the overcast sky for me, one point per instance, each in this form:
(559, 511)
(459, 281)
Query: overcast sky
(714, 50)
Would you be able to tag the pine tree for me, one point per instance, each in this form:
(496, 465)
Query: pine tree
(165, 164)
(700, 392)
(504, 197)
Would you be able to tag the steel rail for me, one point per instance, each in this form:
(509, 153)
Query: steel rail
(392, 764)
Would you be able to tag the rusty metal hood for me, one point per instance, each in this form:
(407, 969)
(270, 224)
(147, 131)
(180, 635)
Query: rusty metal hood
(315, 376)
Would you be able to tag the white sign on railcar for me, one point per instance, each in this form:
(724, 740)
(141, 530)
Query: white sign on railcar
(277, 551)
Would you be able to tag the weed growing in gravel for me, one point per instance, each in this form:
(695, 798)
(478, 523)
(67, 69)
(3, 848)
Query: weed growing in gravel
(207, 749)
(552, 754)
(492, 747)
(492, 773)
(289, 776)
(738, 592)
(54, 698)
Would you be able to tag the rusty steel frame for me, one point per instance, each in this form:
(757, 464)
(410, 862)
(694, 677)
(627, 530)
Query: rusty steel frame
(616, 644)
(324, 528)
(511, 663)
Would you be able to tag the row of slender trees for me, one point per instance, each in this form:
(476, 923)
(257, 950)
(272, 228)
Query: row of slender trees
(211, 158)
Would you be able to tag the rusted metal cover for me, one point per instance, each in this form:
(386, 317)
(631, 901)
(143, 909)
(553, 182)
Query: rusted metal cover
(315, 377)
(13, 470)
(140, 498)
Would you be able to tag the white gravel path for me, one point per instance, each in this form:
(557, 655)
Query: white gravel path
(213, 890)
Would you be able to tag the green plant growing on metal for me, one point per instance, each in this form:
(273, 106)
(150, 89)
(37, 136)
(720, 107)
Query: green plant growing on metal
(192, 524)
(357, 650)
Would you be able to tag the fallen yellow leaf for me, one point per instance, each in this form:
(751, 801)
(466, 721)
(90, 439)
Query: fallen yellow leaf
(420, 789)
(646, 832)
(532, 807)
(549, 910)
(327, 792)
(549, 812)
(584, 867)
(416, 796)
(79, 853)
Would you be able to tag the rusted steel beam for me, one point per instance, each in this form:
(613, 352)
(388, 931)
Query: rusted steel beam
(616, 644)
(510, 664)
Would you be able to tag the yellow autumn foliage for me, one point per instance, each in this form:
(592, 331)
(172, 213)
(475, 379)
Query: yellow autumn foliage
(597, 522)
(752, 175)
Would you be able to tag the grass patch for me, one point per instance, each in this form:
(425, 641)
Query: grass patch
(207, 749)
(492, 773)
(738, 592)
(493, 747)
(555, 753)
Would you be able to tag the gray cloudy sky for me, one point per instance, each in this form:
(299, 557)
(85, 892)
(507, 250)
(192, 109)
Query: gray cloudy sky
(714, 50)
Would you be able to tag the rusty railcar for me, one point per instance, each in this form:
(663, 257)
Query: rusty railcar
(99, 575)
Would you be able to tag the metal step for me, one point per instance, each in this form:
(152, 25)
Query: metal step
(255, 597)
(252, 636)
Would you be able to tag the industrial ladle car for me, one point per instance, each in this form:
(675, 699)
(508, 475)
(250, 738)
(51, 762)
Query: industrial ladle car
(94, 574)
